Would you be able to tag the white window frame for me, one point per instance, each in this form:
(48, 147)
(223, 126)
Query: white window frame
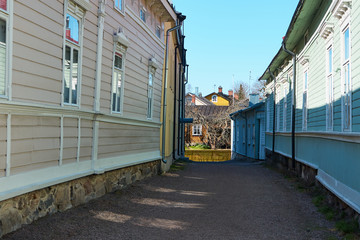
(142, 14)
(278, 108)
(118, 49)
(291, 85)
(150, 94)
(268, 114)
(119, 5)
(329, 79)
(78, 13)
(305, 99)
(197, 130)
(285, 107)
(7, 16)
(158, 31)
(346, 89)
(214, 98)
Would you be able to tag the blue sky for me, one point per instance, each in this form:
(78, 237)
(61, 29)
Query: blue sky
(232, 38)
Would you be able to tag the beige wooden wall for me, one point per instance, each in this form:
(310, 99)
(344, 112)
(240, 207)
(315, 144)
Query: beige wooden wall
(46, 135)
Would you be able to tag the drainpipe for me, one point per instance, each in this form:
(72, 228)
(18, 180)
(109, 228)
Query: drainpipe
(100, 34)
(274, 115)
(293, 104)
(165, 87)
(175, 103)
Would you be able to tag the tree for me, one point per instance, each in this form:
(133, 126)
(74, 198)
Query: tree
(217, 126)
(242, 90)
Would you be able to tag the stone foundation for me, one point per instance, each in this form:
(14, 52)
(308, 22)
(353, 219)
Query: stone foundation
(26, 208)
(308, 175)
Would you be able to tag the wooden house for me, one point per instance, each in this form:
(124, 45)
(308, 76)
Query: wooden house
(313, 103)
(81, 86)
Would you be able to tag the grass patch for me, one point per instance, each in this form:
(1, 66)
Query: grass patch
(347, 226)
(177, 165)
(199, 146)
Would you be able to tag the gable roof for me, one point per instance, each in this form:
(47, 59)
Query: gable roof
(225, 96)
(202, 99)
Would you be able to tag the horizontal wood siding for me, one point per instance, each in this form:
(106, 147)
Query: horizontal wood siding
(86, 139)
(35, 143)
(116, 140)
(3, 142)
(70, 141)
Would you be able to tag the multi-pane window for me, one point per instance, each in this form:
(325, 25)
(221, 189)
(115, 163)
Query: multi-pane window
(285, 108)
(214, 98)
(117, 83)
(143, 14)
(119, 4)
(150, 93)
(268, 115)
(158, 31)
(197, 130)
(278, 110)
(305, 98)
(72, 60)
(330, 89)
(3, 46)
(346, 79)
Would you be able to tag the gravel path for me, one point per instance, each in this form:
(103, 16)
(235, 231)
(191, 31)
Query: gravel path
(234, 200)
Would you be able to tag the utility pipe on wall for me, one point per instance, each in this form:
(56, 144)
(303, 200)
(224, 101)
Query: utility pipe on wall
(164, 95)
(293, 104)
(274, 114)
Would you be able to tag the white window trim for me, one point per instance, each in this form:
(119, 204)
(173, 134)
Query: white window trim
(8, 17)
(329, 101)
(150, 108)
(285, 108)
(121, 49)
(268, 114)
(305, 110)
(344, 26)
(142, 9)
(158, 27)
(197, 127)
(278, 108)
(77, 12)
(122, 11)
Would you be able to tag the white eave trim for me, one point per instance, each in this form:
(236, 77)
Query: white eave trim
(340, 7)
(326, 29)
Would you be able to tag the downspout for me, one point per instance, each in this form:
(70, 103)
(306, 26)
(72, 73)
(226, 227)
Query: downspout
(274, 114)
(293, 104)
(100, 34)
(164, 96)
(176, 123)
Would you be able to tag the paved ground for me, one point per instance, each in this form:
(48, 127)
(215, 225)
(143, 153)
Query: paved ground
(235, 200)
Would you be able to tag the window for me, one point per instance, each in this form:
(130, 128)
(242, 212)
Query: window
(150, 92)
(72, 54)
(197, 130)
(158, 32)
(305, 96)
(119, 4)
(285, 108)
(268, 114)
(4, 21)
(214, 98)
(330, 88)
(143, 14)
(278, 108)
(117, 82)
(346, 80)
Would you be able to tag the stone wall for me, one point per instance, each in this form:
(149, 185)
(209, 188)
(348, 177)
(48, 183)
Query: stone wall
(208, 155)
(28, 207)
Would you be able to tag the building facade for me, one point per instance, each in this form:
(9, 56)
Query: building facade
(80, 95)
(313, 103)
(248, 130)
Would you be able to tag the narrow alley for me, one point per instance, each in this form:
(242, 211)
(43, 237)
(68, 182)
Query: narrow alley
(232, 200)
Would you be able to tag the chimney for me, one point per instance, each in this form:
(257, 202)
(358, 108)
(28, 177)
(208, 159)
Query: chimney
(230, 93)
(254, 99)
(193, 99)
(220, 89)
(197, 91)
